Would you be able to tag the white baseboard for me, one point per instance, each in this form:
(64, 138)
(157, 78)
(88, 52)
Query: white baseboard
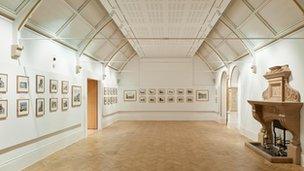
(302, 159)
(167, 116)
(109, 120)
(249, 134)
(38, 153)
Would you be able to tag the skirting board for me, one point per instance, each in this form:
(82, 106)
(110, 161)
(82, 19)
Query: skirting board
(167, 116)
(249, 134)
(24, 160)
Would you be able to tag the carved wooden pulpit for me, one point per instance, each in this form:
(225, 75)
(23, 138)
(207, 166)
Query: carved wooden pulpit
(281, 103)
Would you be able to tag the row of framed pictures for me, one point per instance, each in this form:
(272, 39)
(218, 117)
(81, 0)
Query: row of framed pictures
(109, 91)
(201, 95)
(163, 91)
(23, 84)
(110, 100)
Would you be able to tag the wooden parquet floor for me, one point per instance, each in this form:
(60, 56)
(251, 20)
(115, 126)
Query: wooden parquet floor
(160, 146)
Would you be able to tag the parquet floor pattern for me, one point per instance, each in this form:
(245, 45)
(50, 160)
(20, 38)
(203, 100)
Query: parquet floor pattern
(160, 146)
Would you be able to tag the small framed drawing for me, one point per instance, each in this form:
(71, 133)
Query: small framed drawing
(40, 84)
(171, 99)
(130, 95)
(64, 104)
(105, 91)
(110, 100)
(142, 91)
(152, 99)
(202, 95)
(142, 99)
(40, 107)
(189, 99)
(53, 104)
(23, 106)
(104, 101)
(180, 99)
(3, 83)
(180, 91)
(152, 91)
(161, 91)
(3, 109)
(64, 87)
(23, 84)
(76, 96)
(170, 91)
(161, 100)
(190, 91)
(53, 86)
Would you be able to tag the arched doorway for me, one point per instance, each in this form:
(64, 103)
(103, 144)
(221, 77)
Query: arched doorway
(223, 98)
(233, 98)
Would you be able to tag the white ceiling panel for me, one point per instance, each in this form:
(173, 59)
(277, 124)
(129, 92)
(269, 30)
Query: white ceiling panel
(237, 12)
(75, 4)
(94, 12)
(12, 5)
(282, 14)
(227, 52)
(104, 51)
(76, 31)
(255, 3)
(95, 45)
(46, 17)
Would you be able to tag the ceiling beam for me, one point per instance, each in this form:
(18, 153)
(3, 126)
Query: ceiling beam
(204, 60)
(127, 61)
(109, 59)
(217, 52)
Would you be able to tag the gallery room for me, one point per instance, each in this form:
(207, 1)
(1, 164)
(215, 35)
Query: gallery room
(162, 85)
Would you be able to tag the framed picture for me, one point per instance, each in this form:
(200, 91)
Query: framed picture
(161, 100)
(3, 109)
(104, 101)
(64, 87)
(202, 95)
(23, 106)
(64, 104)
(142, 99)
(40, 84)
(76, 96)
(40, 107)
(190, 91)
(53, 104)
(53, 86)
(130, 95)
(161, 91)
(3, 83)
(142, 91)
(110, 100)
(23, 84)
(152, 99)
(180, 99)
(170, 91)
(171, 99)
(105, 91)
(180, 91)
(189, 99)
(115, 92)
(152, 91)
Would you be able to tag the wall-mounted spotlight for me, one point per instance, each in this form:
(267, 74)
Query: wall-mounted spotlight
(16, 51)
(78, 69)
(54, 62)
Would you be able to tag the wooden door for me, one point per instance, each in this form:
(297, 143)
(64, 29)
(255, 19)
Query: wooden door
(92, 104)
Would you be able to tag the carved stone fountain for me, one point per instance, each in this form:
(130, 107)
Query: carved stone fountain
(282, 106)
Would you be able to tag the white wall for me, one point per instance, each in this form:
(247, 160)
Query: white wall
(37, 59)
(251, 86)
(166, 73)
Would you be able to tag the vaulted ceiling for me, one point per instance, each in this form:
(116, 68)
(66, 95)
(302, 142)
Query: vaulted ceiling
(114, 31)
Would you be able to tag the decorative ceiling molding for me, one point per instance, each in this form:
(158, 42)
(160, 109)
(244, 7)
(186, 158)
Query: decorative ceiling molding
(205, 61)
(217, 52)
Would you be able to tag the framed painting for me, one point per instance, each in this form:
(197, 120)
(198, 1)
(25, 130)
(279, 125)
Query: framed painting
(152, 91)
(202, 95)
(40, 107)
(189, 99)
(161, 100)
(142, 99)
(76, 96)
(64, 104)
(152, 99)
(64, 87)
(180, 91)
(161, 91)
(3, 83)
(171, 99)
(190, 91)
(142, 91)
(40, 84)
(180, 99)
(170, 91)
(53, 86)
(53, 104)
(130, 95)
(23, 84)
(3, 109)
(23, 106)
